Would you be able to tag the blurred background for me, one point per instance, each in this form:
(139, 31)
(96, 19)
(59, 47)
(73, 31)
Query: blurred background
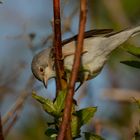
(26, 28)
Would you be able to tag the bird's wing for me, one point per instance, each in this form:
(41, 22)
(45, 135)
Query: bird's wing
(91, 33)
(113, 33)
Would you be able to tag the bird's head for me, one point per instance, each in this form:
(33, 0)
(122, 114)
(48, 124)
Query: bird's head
(43, 66)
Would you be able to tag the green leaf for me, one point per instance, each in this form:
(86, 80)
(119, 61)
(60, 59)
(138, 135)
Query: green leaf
(86, 114)
(92, 136)
(46, 103)
(59, 102)
(40, 99)
(50, 132)
(75, 126)
(49, 107)
(132, 63)
(80, 118)
(132, 50)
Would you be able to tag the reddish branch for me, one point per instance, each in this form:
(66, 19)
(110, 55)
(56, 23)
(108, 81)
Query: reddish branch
(1, 132)
(77, 58)
(61, 83)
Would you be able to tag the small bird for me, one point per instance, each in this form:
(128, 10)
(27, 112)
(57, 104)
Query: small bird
(98, 44)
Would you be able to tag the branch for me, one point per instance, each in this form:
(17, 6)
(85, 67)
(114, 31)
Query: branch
(120, 95)
(1, 132)
(11, 125)
(19, 102)
(17, 106)
(60, 82)
(69, 98)
(59, 65)
(13, 114)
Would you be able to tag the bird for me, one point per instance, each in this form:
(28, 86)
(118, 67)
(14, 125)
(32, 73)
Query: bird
(98, 45)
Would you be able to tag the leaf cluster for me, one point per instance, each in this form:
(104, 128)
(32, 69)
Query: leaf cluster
(55, 109)
(135, 51)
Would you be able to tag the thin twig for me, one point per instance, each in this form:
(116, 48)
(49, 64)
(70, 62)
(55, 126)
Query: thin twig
(11, 125)
(60, 82)
(77, 58)
(19, 103)
(1, 131)
(120, 95)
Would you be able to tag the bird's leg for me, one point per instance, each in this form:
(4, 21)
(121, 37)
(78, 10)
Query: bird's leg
(85, 75)
(85, 72)
(85, 78)
(79, 86)
(68, 79)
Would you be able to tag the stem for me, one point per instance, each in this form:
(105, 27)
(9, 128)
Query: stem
(77, 59)
(60, 82)
(59, 64)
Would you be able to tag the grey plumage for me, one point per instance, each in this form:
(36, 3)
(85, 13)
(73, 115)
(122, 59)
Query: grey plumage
(96, 50)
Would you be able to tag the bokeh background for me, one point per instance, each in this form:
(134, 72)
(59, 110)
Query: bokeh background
(26, 28)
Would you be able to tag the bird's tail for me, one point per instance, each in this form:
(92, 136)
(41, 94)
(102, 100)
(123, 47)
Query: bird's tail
(114, 40)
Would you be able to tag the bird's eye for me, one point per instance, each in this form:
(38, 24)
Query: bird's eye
(41, 69)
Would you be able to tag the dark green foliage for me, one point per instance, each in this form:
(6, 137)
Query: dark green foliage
(132, 63)
(52, 108)
(86, 114)
(135, 51)
(50, 132)
(132, 50)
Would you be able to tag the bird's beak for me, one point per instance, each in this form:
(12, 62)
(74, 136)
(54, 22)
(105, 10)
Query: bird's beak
(45, 81)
